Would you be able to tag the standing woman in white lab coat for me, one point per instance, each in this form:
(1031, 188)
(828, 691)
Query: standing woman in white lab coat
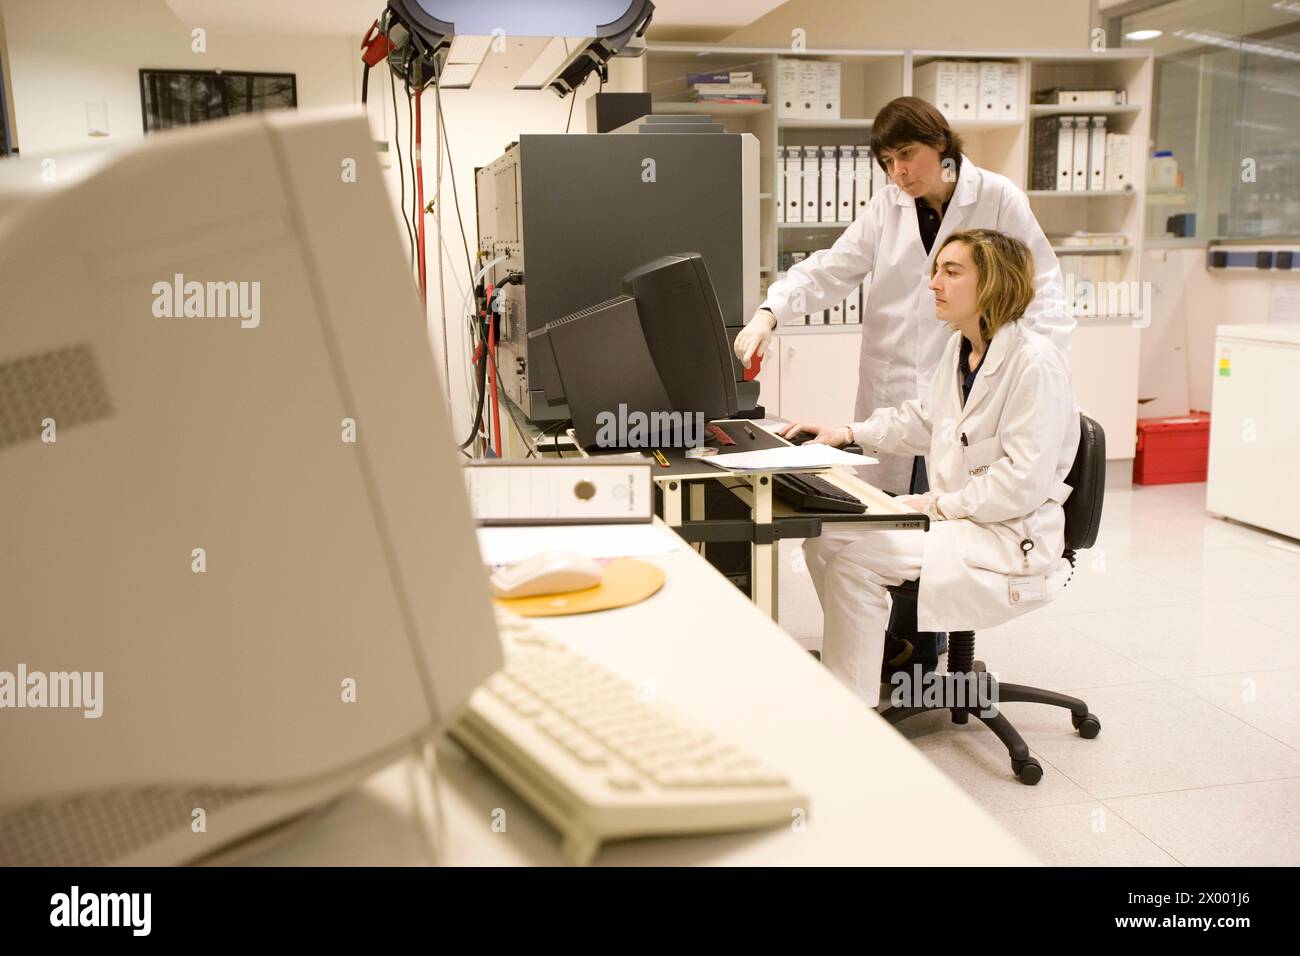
(934, 191)
(999, 430)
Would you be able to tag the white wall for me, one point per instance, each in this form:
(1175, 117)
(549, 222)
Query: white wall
(1199, 301)
(933, 24)
(64, 53)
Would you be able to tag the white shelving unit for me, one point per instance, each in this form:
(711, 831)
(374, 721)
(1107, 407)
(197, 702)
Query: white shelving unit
(826, 123)
(1090, 250)
(1055, 109)
(713, 109)
(836, 227)
(1087, 194)
(868, 79)
(1105, 353)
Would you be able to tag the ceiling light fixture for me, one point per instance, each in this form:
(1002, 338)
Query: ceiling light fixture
(1245, 46)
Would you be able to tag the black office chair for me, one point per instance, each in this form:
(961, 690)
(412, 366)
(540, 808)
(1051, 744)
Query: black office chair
(1087, 478)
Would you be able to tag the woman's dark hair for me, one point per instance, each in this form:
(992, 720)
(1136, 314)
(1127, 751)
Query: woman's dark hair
(910, 119)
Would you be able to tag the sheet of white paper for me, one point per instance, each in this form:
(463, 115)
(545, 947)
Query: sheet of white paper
(507, 545)
(792, 458)
(1284, 302)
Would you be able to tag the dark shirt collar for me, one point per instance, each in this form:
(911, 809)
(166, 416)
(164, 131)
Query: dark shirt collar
(964, 369)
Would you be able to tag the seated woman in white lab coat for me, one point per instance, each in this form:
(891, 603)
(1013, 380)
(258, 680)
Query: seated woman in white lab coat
(999, 430)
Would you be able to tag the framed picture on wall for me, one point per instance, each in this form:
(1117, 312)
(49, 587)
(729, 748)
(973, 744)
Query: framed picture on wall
(6, 135)
(171, 98)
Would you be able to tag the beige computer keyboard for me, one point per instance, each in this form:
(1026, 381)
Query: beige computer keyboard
(600, 763)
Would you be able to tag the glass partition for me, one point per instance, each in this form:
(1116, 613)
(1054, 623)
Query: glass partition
(1225, 132)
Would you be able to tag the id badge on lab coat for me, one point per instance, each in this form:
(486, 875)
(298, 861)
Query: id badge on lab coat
(1026, 590)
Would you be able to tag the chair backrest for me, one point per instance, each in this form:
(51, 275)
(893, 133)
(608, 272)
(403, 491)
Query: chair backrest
(1088, 479)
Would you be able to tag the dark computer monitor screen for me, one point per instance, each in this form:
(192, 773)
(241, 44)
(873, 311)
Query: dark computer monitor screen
(684, 331)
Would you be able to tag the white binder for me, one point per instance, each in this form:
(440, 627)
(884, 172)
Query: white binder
(861, 180)
(990, 90)
(794, 184)
(787, 88)
(836, 314)
(778, 198)
(1087, 97)
(810, 79)
(844, 209)
(811, 174)
(828, 90)
(1079, 166)
(1119, 159)
(878, 179)
(1010, 104)
(827, 211)
(937, 83)
(545, 492)
(968, 86)
(1097, 153)
(1065, 154)
(853, 308)
(1079, 294)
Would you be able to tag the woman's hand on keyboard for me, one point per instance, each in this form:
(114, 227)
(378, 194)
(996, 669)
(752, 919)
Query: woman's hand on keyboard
(837, 435)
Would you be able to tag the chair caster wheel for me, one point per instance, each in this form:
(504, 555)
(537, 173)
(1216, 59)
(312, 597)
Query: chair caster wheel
(1029, 771)
(1088, 726)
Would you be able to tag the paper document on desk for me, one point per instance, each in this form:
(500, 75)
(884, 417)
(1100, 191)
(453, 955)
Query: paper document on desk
(789, 458)
(508, 545)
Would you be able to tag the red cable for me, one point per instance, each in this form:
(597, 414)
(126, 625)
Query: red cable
(419, 187)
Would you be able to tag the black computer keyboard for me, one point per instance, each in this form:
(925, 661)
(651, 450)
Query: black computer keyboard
(814, 494)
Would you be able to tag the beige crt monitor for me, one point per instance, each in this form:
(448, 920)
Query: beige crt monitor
(240, 504)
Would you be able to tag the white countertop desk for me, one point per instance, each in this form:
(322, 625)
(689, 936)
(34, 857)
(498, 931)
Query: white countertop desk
(710, 653)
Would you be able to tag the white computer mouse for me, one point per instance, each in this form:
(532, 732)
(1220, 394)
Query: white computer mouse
(551, 572)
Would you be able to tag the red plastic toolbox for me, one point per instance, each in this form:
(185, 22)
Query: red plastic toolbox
(1172, 450)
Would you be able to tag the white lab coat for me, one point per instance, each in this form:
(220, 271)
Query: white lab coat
(998, 466)
(901, 339)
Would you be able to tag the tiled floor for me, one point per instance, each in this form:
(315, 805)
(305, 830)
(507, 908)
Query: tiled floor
(1182, 632)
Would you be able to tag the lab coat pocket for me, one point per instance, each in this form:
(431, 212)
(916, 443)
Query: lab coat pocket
(874, 384)
(978, 456)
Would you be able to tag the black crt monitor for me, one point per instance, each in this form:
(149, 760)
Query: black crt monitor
(685, 333)
(547, 371)
(603, 363)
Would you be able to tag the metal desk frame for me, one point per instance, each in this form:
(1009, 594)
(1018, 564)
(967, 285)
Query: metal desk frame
(770, 519)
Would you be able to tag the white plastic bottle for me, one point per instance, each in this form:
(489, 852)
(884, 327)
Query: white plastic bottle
(1163, 172)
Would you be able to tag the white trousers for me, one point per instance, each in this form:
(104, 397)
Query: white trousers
(851, 567)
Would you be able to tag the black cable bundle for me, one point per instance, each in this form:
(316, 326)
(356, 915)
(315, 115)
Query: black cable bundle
(481, 370)
(401, 173)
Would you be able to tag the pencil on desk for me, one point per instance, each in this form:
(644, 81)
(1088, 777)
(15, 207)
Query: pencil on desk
(659, 457)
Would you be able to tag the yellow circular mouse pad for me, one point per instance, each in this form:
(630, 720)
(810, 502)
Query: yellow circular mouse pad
(626, 581)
